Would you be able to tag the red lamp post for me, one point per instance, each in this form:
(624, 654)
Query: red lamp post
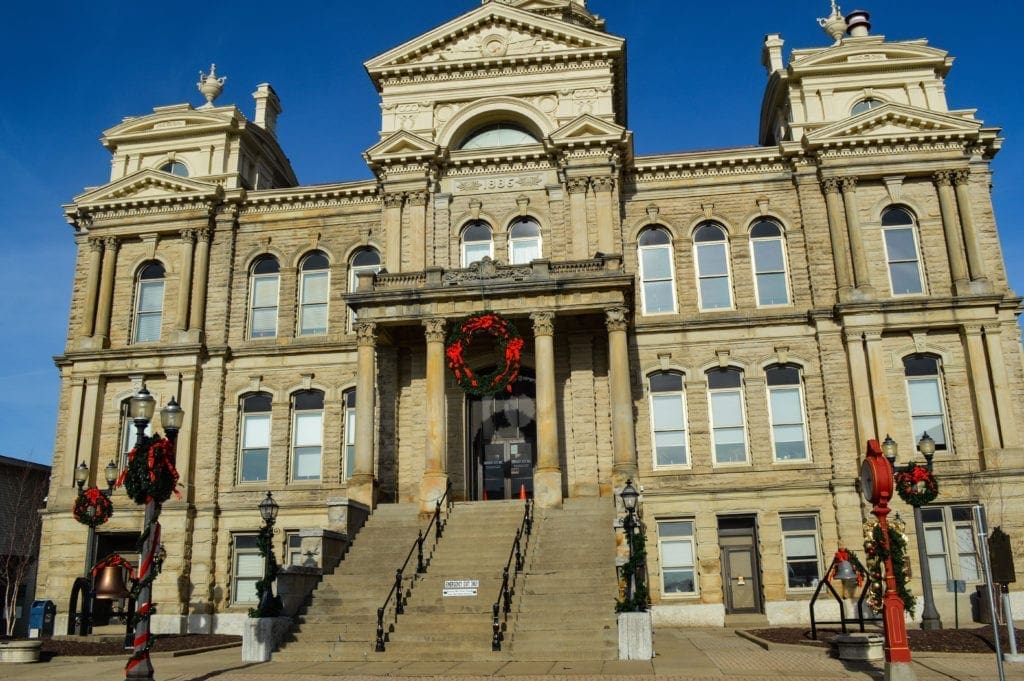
(876, 479)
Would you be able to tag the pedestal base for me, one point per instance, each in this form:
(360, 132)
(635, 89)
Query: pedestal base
(900, 671)
(636, 636)
(363, 489)
(859, 646)
(547, 488)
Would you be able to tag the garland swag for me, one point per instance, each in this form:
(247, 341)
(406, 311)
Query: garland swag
(510, 347)
(636, 567)
(150, 474)
(874, 547)
(92, 507)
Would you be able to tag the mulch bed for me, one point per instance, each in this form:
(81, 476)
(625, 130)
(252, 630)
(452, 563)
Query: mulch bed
(53, 648)
(964, 640)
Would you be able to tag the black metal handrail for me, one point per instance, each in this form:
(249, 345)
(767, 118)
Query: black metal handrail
(437, 524)
(508, 586)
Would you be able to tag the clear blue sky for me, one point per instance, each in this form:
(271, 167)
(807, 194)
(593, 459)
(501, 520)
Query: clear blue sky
(73, 69)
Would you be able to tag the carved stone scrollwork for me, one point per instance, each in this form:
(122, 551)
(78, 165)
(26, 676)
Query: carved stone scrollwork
(95, 245)
(489, 270)
(617, 318)
(434, 329)
(205, 234)
(847, 184)
(962, 176)
(943, 178)
(577, 185)
(111, 243)
(604, 184)
(543, 323)
(188, 236)
(393, 200)
(366, 333)
(830, 185)
(417, 199)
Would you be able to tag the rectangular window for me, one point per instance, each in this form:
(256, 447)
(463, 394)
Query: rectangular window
(349, 399)
(949, 533)
(308, 432)
(255, 447)
(713, 276)
(658, 284)
(676, 552)
(770, 269)
(668, 418)
(247, 568)
(727, 426)
(800, 544)
(313, 313)
(926, 412)
(149, 313)
(294, 555)
(786, 410)
(525, 250)
(904, 268)
(264, 306)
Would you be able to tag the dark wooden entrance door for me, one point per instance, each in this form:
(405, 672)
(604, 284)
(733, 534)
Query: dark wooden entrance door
(502, 437)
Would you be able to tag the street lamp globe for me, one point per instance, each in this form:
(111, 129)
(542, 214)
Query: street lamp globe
(172, 416)
(629, 496)
(110, 473)
(81, 475)
(926, 445)
(268, 509)
(142, 405)
(889, 449)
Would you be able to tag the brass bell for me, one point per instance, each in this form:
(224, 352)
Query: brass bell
(110, 583)
(844, 571)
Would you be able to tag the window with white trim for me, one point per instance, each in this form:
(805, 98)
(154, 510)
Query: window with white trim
(524, 241)
(314, 291)
(307, 434)
(711, 253)
(477, 243)
(668, 418)
(657, 271)
(175, 168)
(865, 105)
(265, 284)
(293, 549)
(924, 390)
(363, 260)
(254, 458)
(950, 543)
(786, 411)
(129, 433)
(677, 556)
(503, 134)
(149, 303)
(247, 567)
(348, 400)
(728, 430)
(768, 252)
(800, 541)
(899, 231)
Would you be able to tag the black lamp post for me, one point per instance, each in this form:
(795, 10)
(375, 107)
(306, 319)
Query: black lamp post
(629, 497)
(930, 618)
(268, 511)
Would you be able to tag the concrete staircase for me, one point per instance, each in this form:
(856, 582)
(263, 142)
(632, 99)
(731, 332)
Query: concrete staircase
(563, 607)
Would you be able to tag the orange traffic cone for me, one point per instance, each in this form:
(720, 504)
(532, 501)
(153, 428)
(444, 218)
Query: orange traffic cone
(485, 494)
(522, 491)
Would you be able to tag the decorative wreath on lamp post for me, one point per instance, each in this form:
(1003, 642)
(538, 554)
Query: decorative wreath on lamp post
(510, 348)
(916, 485)
(92, 507)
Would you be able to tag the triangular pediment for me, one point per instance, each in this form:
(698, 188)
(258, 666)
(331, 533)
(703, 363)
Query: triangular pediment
(149, 185)
(493, 31)
(587, 127)
(179, 120)
(402, 143)
(893, 121)
(854, 54)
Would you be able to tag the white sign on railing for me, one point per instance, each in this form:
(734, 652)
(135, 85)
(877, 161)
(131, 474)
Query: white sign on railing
(460, 587)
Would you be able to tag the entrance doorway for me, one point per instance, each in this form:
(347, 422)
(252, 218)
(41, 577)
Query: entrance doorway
(502, 443)
(741, 570)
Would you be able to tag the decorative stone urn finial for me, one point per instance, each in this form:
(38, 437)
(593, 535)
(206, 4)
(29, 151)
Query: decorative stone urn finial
(210, 85)
(834, 24)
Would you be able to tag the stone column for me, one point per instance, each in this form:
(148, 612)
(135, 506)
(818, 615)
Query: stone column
(186, 397)
(861, 279)
(547, 479)
(844, 279)
(188, 242)
(391, 224)
(954, 244)
(92, 283)
(435, 477)
(362, 486)
(106, 297)
(603, 191)
(961, 181)
(577, 188)
(861, 388)
(1001, 387)
(879, 388)
(977, 369)
(73, 414)
(199, 281)
(416, 240)
(624, 464)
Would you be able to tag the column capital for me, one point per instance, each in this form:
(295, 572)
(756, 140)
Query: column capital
(543, 323)
(366, 333)
(603, 184)
(830, 185)
(577, 185)
(973, 329)
(943, 178)
(111, 243)
(188, 236)
(435, 329)
(205, 234)
(393, 199)
(961, 176)
(872, 334)
(848, 184)
(616, 318)
(992, 329)
(416, 198)
(96, 244)
(853, 336)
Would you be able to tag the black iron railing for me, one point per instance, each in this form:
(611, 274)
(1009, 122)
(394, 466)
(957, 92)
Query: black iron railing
(398, 591)
(499, 610)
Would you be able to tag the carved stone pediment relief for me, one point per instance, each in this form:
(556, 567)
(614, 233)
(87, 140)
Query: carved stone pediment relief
(174, 121)
(851, 55)
(493, 41)
(895, 121)
(487, 270)
(148, 185)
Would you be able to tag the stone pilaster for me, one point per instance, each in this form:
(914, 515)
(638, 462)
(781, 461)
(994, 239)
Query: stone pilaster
(975, 262)
(861, 388)
(606, 211)
(844, 279)
(362, 486)
(106, 297)
(951, 230)
(977, 370)
(547, 479)
(415, 241)
(435, 478)
(1001, 387)
(577, 188)
(624, 464)
(92, 285)
(861, 278)
(391, 224)
(188, 243)
(199, 281)
(879, 388)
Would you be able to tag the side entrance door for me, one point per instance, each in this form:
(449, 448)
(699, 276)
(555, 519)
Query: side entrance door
(507, 470)
(502, 436)
(741, 573)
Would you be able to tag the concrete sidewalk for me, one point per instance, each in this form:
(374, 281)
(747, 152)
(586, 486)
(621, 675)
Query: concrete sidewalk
(683, 654)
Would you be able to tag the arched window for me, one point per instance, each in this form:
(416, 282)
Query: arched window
(363, 260)
(657, 272)
(768, 251)
(265, 282)
(899, 228)
(348, 401)
(254, 455)
(175, 168)
(476, 243)
(711, 253)
(498, 135)
(307, 434)
(314, 285)
(149, 303)
(927, 408)
(786, 411)
(523, 241)
(728, 425)
(865, 105)
(668, 418)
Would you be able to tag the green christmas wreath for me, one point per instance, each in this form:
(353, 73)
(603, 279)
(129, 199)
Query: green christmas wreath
(510, 348)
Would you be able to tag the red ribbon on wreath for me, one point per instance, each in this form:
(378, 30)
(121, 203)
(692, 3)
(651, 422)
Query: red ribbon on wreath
(916, 485)
(92, 507)
(510, 348)
(115, 560)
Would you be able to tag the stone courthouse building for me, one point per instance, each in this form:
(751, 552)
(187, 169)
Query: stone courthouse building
(727, 327)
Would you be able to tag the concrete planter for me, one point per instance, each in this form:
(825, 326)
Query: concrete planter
(261, 635)
(636, 636)
(859, 646)
(18, 652)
